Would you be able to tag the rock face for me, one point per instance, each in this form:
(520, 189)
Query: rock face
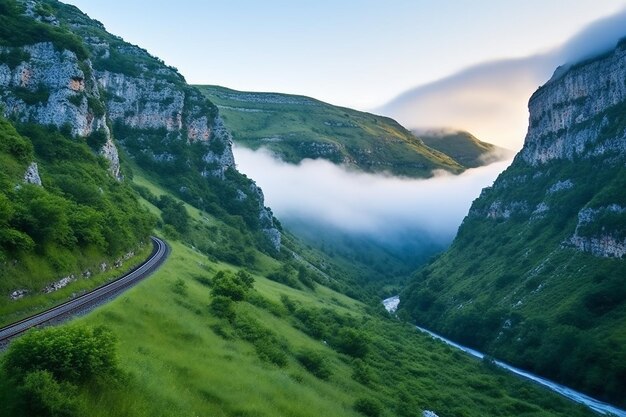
(538, 264)
(53, 87)
(32, 174)
(115, 94)
(568, 114)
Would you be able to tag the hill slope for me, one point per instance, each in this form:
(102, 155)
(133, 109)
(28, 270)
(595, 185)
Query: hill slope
(463, 147)
(537, 272)
(297, 127)
(107, 106)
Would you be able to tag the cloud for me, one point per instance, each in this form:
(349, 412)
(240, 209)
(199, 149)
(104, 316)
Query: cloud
(490, 99)
(380, 206)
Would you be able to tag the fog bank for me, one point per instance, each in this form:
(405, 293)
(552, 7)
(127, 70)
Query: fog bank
(385, 207)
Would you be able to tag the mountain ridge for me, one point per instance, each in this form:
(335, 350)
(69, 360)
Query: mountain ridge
(297, 127)
(535, 274)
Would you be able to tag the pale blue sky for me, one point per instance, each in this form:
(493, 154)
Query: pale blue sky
(353, 53)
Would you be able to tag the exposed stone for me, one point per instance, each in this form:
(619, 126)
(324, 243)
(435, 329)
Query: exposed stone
(604, 244)
(428, 413)
(500, 210)
(32, 174)
(564, 120)
(17, 294)
(540, 211)
(63, 282)
(61, 75)
(560, 186)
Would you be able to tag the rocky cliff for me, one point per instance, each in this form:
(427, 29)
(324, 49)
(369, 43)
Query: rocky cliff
(536, 273)
(570, 113)
(112, 94)
(54, 87)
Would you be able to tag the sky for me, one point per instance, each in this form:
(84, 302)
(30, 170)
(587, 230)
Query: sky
(356, 53)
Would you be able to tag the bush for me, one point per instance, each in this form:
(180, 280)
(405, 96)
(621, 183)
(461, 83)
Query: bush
(352, 342)
(41, 395)
(232, 286)
(97, 139)
(74, 354)
(180, 287)
(368, 407)
(223, 307)
(314, 362)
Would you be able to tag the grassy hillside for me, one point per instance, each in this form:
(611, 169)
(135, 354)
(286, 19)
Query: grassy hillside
(297, 127)
(77, 219)
(463, 147)
(512, 286)
(202, 337)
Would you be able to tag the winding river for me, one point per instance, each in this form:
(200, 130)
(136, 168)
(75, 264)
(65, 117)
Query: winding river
(391, 304)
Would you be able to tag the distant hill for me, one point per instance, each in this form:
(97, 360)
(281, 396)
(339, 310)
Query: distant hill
(298, 127)
(462, 146)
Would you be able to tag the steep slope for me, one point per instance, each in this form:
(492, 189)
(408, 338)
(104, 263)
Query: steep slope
(79, 102)
(66, 70)
(463, 147)
(203, 337)
(536, 274)
(297, 127)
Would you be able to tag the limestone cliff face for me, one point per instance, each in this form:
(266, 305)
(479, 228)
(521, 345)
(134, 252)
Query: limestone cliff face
(577, 127)
(569, 113)
(53, 87)
(117, 94)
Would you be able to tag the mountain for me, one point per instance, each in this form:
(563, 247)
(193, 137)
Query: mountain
(462, 146)
(298, 127)
(536, 274)
(100, 142)
(83, 110)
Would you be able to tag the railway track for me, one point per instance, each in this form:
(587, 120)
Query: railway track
(93, 298)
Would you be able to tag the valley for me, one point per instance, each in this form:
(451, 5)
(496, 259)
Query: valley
(104, 149)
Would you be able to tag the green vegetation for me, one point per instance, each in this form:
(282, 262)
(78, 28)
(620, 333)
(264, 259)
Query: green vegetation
(19, 30)
(297, 127)
(54, 372)
(79, 218)
(518, 290)
(281, 351)
(463, 147)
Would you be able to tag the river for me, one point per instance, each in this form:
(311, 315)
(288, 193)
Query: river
(391, 304)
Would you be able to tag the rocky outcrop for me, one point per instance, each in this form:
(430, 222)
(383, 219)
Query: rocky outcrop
(600, 241)
(111, 93)
(568, 115)
(32, 174)
(53, 87)
(57, 285)
(266, 219)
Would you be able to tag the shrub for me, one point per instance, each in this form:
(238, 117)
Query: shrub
(180, 287)
(368, 407)
(361, 372)
(97, 139)
(314, 362)
(223, 307)
(352, 342)
(41, 95)
(232, 286)
(41, 395)
(74, 354)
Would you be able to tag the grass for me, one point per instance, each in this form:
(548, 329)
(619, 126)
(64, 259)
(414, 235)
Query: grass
(515, 289)
(297, 127)
(15, 310)
(180, 366)
(181, 359)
